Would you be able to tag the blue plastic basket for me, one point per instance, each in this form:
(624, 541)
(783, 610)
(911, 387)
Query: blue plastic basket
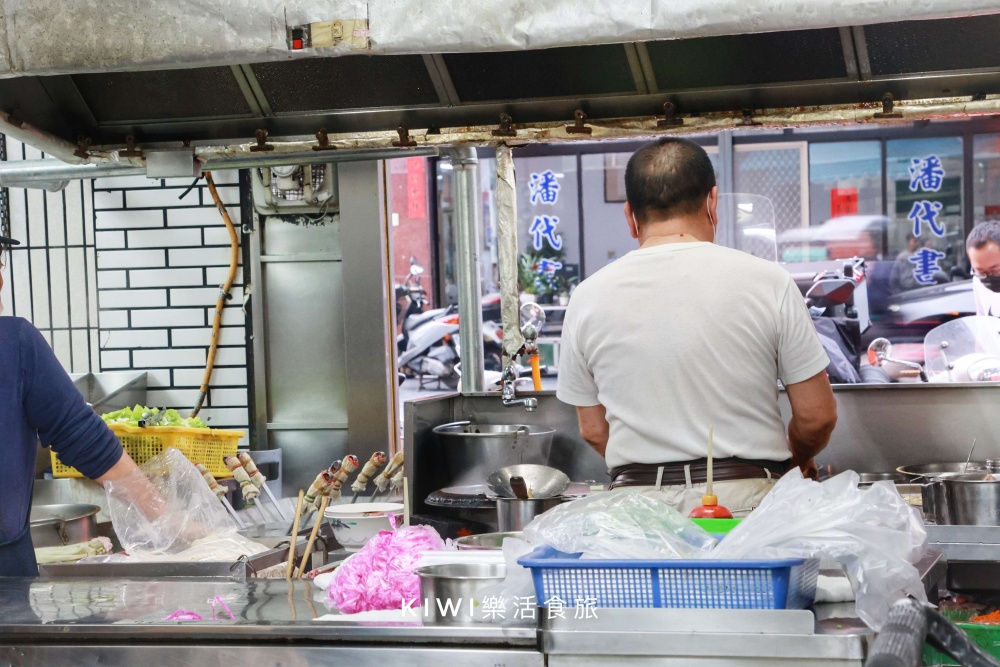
(700, 584)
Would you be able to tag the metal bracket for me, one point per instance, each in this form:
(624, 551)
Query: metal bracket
(670, 118)
(506, 128)
(262, 145)
(887, 105)
(83, 144)
(579, 125)
(130, 149)
(323, 141)
(747, 119)
(405, 141)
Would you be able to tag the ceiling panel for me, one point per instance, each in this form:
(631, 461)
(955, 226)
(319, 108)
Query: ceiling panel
(203, 92)
(346, 82)
(567, 72)
(933, 46)
(743, 60)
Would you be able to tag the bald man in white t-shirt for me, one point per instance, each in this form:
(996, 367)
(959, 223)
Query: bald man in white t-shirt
(983, 246)
(682, 334)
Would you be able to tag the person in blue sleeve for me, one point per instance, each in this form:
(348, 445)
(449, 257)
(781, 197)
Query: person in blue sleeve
(38, 401)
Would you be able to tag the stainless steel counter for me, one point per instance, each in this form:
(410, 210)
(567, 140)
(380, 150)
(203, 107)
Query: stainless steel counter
(120, 622)
(111, 622)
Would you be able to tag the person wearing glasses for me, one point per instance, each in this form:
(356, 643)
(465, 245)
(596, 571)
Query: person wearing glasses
(682, 334)
(983, 247)
(39, 402)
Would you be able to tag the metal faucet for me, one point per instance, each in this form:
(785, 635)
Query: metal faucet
(508, 381)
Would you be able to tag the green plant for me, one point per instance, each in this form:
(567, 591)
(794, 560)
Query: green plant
(526, 264)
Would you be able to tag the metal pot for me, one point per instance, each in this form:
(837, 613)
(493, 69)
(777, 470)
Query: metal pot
(972, 499)
(472, 452)
(485, 542)
(933, 498)
(930, 471)
(56, 525)
(449, 591)
(513, 514)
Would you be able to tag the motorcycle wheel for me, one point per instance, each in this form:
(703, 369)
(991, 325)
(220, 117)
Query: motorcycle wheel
(451, 380)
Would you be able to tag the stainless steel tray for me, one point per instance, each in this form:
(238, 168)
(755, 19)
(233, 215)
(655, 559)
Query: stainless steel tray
(245, 568)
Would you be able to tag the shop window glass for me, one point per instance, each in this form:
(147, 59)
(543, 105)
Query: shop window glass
(986, 175)
(926, 235)
(605, 234)
(845, 204)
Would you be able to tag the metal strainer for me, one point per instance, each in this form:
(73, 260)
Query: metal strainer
(541, 481)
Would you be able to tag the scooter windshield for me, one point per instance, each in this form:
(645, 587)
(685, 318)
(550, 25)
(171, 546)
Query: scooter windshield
(964, 350)
(746, 222)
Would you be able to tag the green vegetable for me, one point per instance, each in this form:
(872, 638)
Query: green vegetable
(132, 416)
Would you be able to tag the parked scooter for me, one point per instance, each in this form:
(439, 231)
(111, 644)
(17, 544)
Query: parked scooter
(966, 349)
(428, 343)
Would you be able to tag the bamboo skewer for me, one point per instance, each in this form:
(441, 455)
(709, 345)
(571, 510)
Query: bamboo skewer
(312, 536)
(708, 486)
(294, 536)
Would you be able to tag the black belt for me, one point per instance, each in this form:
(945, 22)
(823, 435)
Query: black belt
(723, 470)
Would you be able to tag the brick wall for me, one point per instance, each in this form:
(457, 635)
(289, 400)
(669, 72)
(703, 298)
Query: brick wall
(160, 262)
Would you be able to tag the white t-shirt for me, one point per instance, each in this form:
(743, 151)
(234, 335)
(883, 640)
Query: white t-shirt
(674, 338)
(987, 301)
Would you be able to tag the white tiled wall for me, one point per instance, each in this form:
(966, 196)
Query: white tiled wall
(160, 263)
(50, 279)
(119, 273)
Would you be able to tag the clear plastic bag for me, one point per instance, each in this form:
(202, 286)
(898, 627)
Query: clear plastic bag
(872, 532)
(165, 511)
(620, 524)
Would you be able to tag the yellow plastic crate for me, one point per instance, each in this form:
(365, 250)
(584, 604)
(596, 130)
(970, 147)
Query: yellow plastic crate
(207, 446)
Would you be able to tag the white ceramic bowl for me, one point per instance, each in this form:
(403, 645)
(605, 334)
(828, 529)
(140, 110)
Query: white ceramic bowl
(354, 525)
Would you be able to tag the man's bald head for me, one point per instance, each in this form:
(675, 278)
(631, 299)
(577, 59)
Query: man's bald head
(668, 178)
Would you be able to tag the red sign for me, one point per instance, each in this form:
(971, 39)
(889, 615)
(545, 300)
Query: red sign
(992, 211)
(843, 201)
(416, 188)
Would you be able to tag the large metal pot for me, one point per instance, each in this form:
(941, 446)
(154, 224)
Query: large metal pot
(933, 498)
(513, 514)
(972, 499)
(56, 525)
(930, 471)
(472, 451)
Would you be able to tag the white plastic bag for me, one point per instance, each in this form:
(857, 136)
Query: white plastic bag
(620, 524)
(165, 511)
(873, 533)
(511, 602)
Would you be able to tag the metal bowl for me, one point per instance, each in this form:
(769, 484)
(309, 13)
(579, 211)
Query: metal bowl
(486, 541)
(451, 591)
(56, 525)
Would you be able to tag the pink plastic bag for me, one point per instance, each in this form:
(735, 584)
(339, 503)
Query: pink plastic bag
(380, 576)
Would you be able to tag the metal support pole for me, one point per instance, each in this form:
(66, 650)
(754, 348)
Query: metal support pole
(726, 234)
(470, 302)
